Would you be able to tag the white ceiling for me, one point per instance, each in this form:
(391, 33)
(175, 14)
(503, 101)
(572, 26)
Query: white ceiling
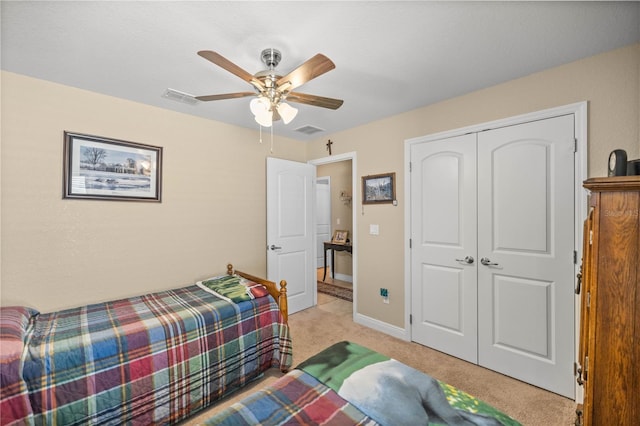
(390, 56)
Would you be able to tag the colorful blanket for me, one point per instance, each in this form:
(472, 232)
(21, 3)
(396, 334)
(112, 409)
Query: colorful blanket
(152, 359)
(348, 384)
(295, 399)
(393, 393)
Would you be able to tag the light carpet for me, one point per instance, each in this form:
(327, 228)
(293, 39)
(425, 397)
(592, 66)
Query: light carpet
(331, 321)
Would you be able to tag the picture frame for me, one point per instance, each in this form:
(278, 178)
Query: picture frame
(379, 189)
(100, 168)
(340, 237)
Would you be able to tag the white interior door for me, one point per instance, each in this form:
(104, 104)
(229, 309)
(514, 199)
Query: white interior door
(443, 235)
(291, 228)
(323, 217)
(525, 233)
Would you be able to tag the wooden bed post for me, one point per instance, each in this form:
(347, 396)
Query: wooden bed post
(282, 301)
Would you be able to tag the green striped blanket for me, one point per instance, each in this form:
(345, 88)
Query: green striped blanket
(233, 288)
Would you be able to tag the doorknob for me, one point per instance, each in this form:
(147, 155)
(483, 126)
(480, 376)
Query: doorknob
(274, 247)
(467, 259)
(487, 262)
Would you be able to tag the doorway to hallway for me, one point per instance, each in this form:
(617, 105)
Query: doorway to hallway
(341, 277)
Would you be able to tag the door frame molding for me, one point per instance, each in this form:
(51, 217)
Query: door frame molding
(354, 218)
(579, 111)
(328, 178)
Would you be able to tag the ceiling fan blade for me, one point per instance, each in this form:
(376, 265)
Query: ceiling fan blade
(309, 70)
(314, 100)
(223, 62)
(225, 96)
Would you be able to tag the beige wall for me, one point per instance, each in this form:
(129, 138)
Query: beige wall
(59, 253)
(610, 82)
(340, 173)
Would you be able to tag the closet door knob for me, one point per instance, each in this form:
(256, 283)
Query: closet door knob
(467, 259)
(487, 262)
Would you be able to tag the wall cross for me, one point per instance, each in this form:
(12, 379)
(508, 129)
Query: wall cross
(329, 143)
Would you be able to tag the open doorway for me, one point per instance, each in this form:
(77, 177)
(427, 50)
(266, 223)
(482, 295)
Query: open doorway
(336, 272)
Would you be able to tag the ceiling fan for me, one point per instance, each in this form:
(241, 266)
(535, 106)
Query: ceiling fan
(272, 89)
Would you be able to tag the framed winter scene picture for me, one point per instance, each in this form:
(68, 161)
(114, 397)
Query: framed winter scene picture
(379, 189)
(111, 169)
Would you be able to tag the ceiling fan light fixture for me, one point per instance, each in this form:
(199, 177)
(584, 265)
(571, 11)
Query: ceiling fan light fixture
(264, 119)
(260, 108)
(287, 112)
(259, 105)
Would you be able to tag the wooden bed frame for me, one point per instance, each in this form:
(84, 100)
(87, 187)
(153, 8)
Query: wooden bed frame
(280, 295)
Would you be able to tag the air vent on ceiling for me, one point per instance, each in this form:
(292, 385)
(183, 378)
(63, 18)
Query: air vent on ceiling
(309, 130)
(178, 96)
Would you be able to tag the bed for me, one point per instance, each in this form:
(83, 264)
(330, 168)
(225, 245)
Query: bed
(348, 384)
(152, 359)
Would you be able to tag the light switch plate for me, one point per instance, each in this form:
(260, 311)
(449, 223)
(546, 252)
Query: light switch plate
(374, 229)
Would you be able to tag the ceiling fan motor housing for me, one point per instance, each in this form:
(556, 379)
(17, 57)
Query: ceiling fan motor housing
(271, 57)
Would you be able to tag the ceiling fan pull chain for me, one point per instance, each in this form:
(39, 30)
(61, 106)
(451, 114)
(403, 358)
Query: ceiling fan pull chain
(260, 125)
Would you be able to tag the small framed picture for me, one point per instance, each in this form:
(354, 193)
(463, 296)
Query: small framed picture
(111, 169)
(379, 189)
(340, 237)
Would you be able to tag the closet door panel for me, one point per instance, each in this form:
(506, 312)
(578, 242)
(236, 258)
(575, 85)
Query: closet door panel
(513, 166)
(443, 234)
(525, 236)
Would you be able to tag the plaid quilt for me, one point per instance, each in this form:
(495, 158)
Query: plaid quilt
(295, 399)
(152, 359)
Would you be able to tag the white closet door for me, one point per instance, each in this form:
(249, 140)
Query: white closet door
(443, 230)
(525, 234)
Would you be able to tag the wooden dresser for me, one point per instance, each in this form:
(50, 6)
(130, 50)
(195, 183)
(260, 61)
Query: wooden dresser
(609, 351)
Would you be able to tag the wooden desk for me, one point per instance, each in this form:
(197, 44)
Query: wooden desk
(333, 247)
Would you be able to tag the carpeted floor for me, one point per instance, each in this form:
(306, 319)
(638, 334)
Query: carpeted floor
(331, 321)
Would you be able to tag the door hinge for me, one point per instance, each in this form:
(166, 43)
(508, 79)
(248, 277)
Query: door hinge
(410, 319)
(410, 167)
(575, 145)
(410, 243)
(575, 257)
(577, 372)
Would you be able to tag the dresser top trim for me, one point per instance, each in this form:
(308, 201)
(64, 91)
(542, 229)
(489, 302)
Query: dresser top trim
(614, 183)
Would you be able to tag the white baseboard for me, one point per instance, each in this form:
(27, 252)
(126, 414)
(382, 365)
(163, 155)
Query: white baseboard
(342, 277)
(383, 327)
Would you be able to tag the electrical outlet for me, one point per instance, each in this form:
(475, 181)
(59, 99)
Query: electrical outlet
(385, 300)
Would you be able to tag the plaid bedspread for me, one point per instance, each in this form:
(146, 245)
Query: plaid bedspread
(295, 399)
(153, 359)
